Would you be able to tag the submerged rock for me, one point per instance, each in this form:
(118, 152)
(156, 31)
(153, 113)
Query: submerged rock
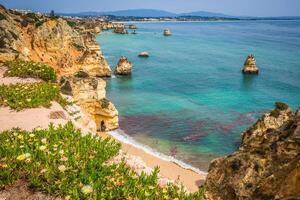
(167, 32)
(267, 164)
(124, 67)
(250, 65)
(144, 54)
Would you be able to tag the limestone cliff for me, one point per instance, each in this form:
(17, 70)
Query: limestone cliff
(266, 166)
(30, 36)
(89, 93)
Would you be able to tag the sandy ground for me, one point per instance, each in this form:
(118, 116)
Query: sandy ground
(190, 179)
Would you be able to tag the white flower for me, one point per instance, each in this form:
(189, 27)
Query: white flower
(87, 189)
(62, 168)
(44, 140)
(42, 148)
(61, 151)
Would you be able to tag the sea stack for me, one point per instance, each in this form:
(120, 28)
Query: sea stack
(132, 26)
(167, 32)
(144, 54)
(120, 30)
(250, 65)
(124, 67)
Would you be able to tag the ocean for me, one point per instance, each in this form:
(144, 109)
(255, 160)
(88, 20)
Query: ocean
(189, 99)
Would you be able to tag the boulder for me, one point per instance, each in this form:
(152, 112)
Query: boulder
(267, 164)
(167, 32)
(250, 65)
(144, 54)
(124, 67)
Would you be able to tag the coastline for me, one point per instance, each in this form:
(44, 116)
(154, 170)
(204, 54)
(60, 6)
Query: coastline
(170, 168)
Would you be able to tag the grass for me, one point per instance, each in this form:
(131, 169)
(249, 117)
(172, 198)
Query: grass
(61, 162)
(21, 96)
(26, 69)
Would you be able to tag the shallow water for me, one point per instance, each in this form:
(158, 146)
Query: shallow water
(189, 99)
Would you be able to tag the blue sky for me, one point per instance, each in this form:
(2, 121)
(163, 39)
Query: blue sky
(231, 7)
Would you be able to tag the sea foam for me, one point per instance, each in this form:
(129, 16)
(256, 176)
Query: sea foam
(123, 137)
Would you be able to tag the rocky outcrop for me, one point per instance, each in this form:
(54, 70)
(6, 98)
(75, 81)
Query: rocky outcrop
(167, 32)
(52, 41)
(144, 54)
(266, 166)
(90, 94)
(132, 26)
(124, 67)
(250, 65)
(120, 30)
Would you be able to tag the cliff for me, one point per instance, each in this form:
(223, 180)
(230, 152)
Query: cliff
(50, 40)
(267, 164)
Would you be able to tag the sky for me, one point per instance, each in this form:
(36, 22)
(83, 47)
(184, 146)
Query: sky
(261, 8)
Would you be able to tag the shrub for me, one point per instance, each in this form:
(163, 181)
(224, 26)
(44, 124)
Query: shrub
(39, 23)
(62, 162)
(32, 16)
(71, 24)
(78, 46)
(281, 106)
(2, 17)
(22, 96)
(104, 103)
(26, 69)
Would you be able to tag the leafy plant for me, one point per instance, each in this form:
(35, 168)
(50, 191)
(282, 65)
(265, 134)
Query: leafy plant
(2, 17)
(104, 103)
(22, 96)
(71, 23)
(27, 69)
(281, 106)
(62, 162)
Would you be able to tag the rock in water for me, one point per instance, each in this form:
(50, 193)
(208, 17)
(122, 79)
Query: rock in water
(120, 30)
(267, 164)
(144, 54)
(250, 65)
(123, 67)
(132, 26)
(167, 32)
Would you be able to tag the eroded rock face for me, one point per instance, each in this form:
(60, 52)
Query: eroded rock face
(51, 41)
(90, 94)
(120, 30)
(124, 67)
(267, 165)
(250, 65)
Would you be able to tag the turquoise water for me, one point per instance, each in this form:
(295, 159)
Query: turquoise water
(189, 99)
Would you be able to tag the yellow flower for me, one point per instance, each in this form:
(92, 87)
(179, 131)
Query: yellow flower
(67, 197)
(61, 151)
(43, 171)
(62, 168)
(42, 148)
(28, 100)
(87, 189)
(31, 135)
(23, 156)
(20, 137)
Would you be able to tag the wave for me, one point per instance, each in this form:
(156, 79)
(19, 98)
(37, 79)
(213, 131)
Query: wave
(121, 136)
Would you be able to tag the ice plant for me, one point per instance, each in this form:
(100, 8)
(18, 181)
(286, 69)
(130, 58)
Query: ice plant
(87, 189)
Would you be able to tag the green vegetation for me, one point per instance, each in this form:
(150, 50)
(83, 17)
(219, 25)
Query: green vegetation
(104, 103)
(22, 96)
(281, 106)
(26, 69)
(2, 17)
(71, 23)
(61, 162)
(32, 16)
(78, 46)
(39, 23)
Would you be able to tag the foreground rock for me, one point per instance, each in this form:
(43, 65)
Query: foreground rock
(266, 166)
(167, 32)
(89, 93)
(52, 41)
(124, 67)
(144, 54)
(250, 65)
